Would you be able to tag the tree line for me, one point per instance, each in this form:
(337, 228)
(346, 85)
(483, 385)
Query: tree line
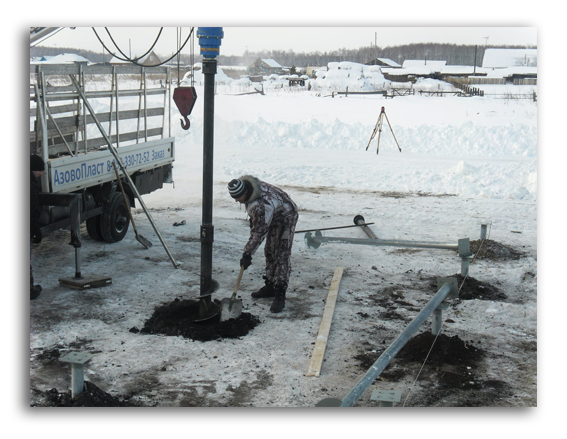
(453, 54)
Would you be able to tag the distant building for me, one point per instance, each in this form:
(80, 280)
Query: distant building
(502, 58)
(264, 67)
(413, 69)
(115, 61)
(64, 58)
(424, 64)
(151, 59)
(383, 62)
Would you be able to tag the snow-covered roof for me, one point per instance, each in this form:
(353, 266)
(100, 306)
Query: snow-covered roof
(500, 58)
(509, 71)
(430, 64)
(271, 63)
(115, 60)
(389, 62)
(64, 58)
(461, 70)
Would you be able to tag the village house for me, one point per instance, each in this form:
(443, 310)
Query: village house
(413, 69)
(265, 67)
(64, 58)
(383, 62)
(151, 59)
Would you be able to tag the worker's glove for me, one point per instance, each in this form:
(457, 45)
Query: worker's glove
(36, 236)
(246, 260)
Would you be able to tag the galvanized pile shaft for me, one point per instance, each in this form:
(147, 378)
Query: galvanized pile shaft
(350, 399)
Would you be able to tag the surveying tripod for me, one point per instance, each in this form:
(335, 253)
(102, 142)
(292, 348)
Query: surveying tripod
(378, 128)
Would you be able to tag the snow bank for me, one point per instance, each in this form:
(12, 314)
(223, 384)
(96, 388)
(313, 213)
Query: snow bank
(471, 147)
(199, 77)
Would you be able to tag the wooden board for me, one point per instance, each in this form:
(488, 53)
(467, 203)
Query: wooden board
(325, 327)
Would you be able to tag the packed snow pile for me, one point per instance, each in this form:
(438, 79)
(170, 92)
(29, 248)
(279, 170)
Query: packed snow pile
(351, 75)
(338, 76)
(199, 77)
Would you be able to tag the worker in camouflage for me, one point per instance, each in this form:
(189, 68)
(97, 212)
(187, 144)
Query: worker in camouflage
(273, 216)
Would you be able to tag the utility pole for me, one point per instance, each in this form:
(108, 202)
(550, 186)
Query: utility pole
(376, 45)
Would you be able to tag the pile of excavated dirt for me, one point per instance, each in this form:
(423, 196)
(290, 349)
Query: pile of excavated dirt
(446, 350)
(92, 396)
(471, 288)
(449, 376)
(495, 251)
(178, 319)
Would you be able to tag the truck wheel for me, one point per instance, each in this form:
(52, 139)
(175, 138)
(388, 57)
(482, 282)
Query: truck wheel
(115, 220)
(93, 228)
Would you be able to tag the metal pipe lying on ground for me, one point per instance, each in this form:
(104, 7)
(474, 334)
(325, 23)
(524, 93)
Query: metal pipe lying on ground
(330, 228)
(378, 242)
(359, 221)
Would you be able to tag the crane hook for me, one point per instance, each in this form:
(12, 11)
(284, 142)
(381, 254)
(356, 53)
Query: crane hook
(185, 124)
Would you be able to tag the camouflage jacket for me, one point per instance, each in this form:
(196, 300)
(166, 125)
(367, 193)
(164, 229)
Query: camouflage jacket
(267, 207)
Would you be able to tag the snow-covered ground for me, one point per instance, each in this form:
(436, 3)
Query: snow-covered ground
(463, 162)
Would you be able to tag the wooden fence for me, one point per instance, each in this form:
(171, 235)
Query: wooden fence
(525, 81)
(475, 80)
(462, 84)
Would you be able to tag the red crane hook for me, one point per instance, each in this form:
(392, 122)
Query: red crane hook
(185, 98)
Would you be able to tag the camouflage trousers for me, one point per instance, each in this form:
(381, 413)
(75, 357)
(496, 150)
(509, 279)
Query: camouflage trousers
(278, 251)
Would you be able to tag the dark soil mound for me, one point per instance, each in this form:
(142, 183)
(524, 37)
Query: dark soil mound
(489, 249)
(177, 319)
(474, 289)
(92, 396)
(446, 350)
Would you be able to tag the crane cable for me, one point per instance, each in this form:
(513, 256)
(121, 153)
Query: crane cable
(178, 36)
(141, 56)
(134, 61)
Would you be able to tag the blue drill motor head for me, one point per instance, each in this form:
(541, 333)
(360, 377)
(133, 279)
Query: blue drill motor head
(210, 40)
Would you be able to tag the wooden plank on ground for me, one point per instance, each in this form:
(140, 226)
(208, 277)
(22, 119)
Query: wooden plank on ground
(325, 327)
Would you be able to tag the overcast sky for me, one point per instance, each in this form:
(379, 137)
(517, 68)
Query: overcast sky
(137, 40)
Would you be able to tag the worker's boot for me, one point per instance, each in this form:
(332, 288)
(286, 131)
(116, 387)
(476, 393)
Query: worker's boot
(266, 291)
(279, 301)
(34, 289)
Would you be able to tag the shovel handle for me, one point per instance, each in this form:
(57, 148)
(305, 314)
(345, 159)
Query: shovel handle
(238, 281)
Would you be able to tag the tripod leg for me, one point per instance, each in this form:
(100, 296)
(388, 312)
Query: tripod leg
(392, 131)
(373, 134)
(379, 133)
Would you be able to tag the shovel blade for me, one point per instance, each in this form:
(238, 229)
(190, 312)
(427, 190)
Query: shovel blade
(143, 241)
(230, 309)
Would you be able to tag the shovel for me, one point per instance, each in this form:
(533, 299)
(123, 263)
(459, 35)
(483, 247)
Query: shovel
(232, 308)
(139, 238)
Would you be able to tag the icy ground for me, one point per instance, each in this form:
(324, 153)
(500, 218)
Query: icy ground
(464, 161)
